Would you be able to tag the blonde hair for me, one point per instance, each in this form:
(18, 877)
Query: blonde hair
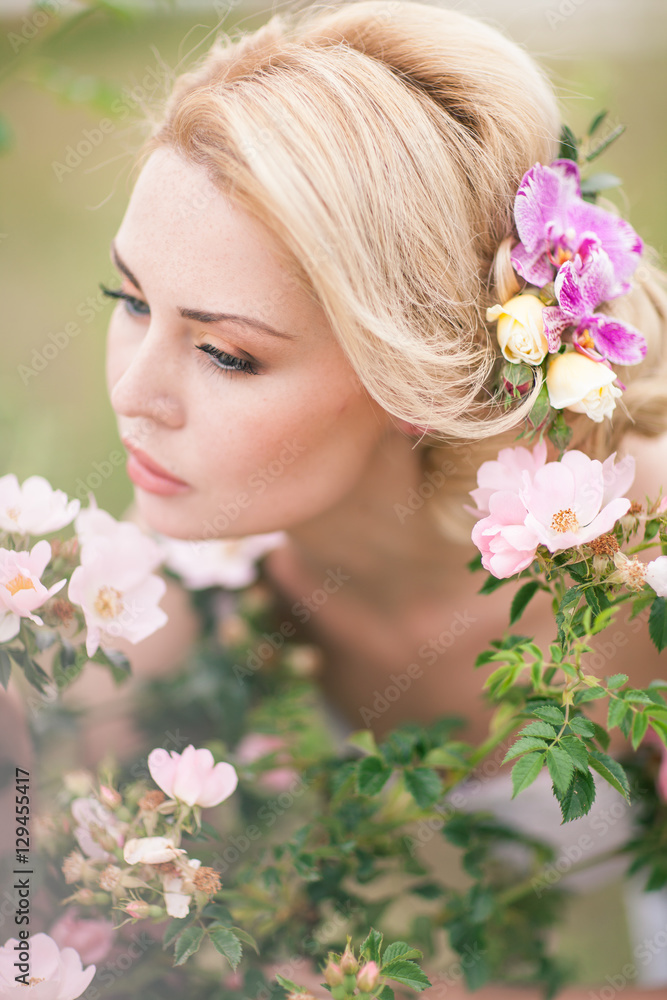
(383, 143)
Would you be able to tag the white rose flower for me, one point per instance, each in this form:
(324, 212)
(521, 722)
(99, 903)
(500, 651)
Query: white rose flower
(520, 329)
(656, 575)
(150, 850)
(576, 382)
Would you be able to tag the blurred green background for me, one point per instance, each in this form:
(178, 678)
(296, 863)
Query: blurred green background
(66, 66)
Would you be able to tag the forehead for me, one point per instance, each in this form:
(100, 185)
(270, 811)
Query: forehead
(181, 232)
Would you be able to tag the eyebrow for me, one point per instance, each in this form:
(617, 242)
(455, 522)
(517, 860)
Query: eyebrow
(199, 315)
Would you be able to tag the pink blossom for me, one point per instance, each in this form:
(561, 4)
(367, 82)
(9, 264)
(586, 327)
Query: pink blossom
(656, 575)
(225, 562)
(91, 938)
(506, 544)
(506, 473)
(114, 583)
(52, 975)
(95, 823)
(192, 776)
(254, 746)
(21, 590)
(573, 501)
(34, 508)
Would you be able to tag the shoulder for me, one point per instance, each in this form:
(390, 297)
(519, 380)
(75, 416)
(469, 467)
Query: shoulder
(650, 455)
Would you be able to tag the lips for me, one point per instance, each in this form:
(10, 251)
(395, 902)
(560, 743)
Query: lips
(143, 463)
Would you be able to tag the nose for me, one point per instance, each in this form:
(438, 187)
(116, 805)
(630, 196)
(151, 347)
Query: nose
(150, 383)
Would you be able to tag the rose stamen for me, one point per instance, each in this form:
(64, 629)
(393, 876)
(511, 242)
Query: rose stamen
(19, 582)
(109, 602)
(564, 520)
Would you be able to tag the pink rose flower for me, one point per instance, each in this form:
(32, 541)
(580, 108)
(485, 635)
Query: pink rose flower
(92, 939)
(573, 501)
(218, 562)
(506, 473)
(34, 508)
(52, 974)
(656, 575)
(95, 823)
(21, 590)
(114, 584)
(506, 544)
(192, 777)
(254, 746)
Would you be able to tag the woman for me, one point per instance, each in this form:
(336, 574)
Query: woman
(322, 219)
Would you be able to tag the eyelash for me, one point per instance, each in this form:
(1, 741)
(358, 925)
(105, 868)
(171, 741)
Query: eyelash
(137, 307)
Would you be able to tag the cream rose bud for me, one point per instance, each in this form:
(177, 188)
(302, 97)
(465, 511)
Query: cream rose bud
(576, 382)
(520, 329)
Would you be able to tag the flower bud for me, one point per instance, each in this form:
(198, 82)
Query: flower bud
(333, 973)
(140, 910)
(368, 977)
(348, 962)
(110, 797)
(577, 383)
(520, 329)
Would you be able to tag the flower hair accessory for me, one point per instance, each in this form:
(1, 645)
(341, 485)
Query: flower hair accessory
(573, 257)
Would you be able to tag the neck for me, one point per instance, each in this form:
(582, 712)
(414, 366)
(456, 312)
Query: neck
(383, 536)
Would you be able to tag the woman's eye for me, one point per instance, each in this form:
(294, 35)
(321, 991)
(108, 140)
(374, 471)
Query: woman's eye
(227, 362)
(134, 306)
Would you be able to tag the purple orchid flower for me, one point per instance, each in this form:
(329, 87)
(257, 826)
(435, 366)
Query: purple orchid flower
(552, 220)
(582, 284)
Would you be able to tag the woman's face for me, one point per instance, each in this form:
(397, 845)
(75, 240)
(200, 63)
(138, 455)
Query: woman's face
(272, 431)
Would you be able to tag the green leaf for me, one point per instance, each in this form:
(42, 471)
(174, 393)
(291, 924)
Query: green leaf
(187, 944)
(245, 937)
(492, 583)
(596, 122)
(408, 973)
(525, 771)
(424, 785)
(582, 726)
(617, 712)
(541, 408)
(174, 929)
(611, 771)
(227, 943)
(372, 775)
(657, 623)
(589, 694)
(560, 767)
(549, 713)
(386, 993)
(576, 751)
(442, 757)
(560, 432)
(539, 729)
(566, 610)
(525, 745)
(287, 984)
(600, 148)
(5, 668)
(569, 145)
(639, 727)
(364, 740)
(370, 949)
(522, 598)
(616, 681)
(578, 798)
(599, 182)
(399, 949)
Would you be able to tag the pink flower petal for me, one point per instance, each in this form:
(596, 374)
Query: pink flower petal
(218, 785)
(162, 766)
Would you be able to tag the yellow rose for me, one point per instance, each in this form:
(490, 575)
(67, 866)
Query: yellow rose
(520, 329)
(575, 382)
